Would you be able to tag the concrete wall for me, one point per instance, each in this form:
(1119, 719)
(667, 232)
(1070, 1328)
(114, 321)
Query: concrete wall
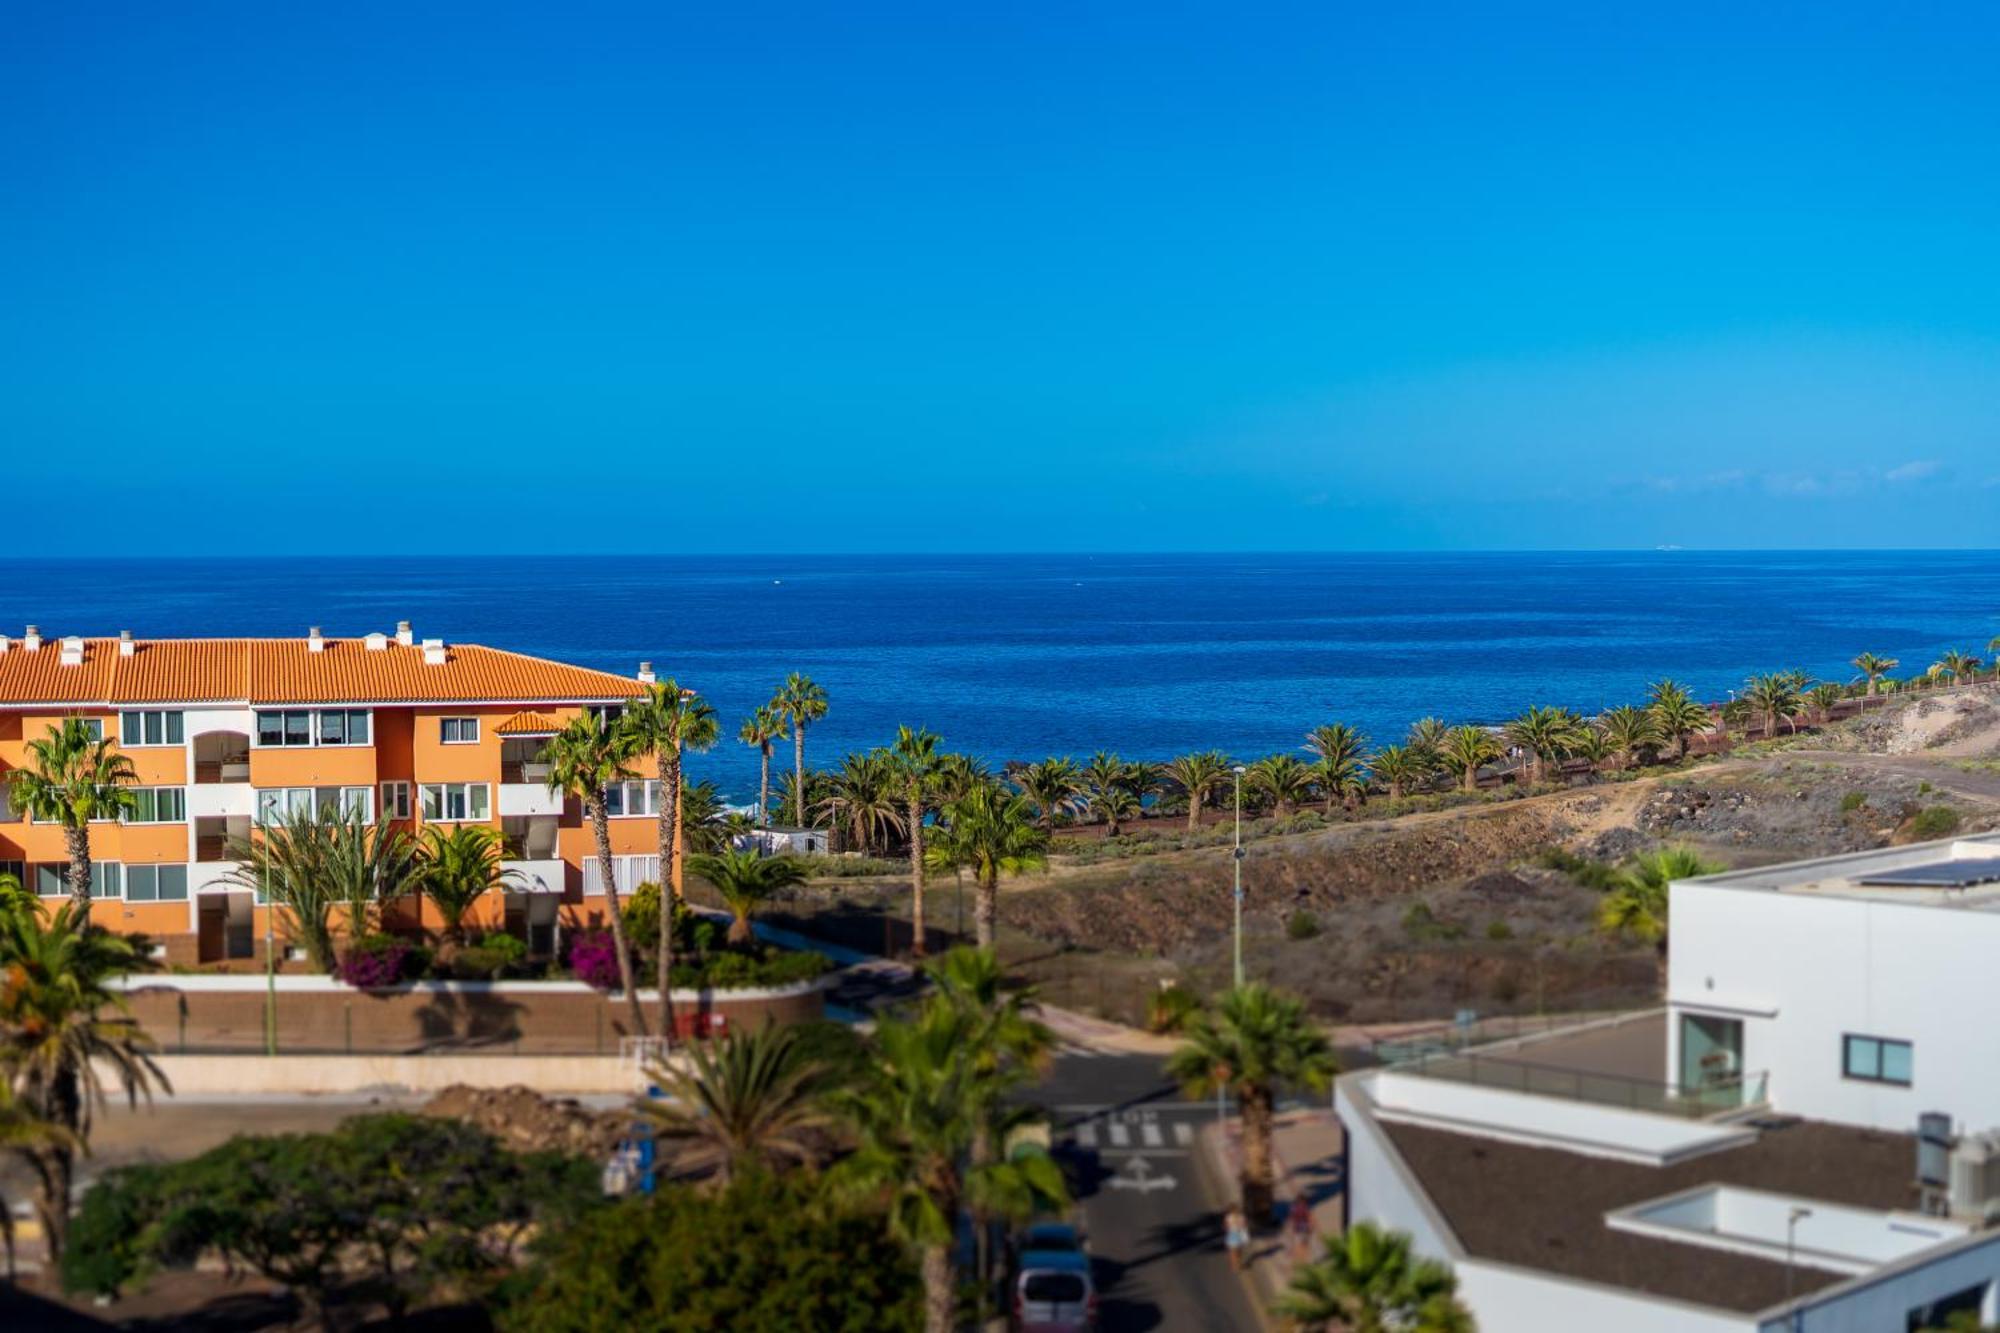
(1885, 1300)
(198, 1076)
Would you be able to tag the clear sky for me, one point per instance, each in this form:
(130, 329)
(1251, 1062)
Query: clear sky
(736, 277)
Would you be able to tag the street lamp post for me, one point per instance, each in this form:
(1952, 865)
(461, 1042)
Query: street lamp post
(1792, 1220)
(1237, 857)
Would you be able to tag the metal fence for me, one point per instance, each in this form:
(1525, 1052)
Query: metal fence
(1724, 1094)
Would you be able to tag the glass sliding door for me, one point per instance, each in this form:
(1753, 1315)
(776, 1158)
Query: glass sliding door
(1712, 1060)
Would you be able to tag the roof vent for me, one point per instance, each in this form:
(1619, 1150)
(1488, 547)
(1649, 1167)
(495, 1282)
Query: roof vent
(433, 652)
(72, 651)
(125, 644)
(32, 640)
(645, 673)
(403, 635)
(315, 641)
(377, 642)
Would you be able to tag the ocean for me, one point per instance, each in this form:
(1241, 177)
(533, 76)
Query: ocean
(1022, 656)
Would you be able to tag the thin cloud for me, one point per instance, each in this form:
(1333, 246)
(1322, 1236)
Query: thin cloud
(1920, 469)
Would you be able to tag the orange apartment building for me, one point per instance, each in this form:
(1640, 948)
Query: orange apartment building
(223, 730)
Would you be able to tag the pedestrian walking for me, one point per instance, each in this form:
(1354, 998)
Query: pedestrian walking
(1299, 1227)
(1236, 1235)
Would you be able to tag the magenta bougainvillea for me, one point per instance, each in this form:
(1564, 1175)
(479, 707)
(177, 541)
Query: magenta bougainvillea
(381, 965)
(593, 959)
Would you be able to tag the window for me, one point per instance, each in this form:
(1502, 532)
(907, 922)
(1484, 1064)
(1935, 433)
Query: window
(306, 726)
(628, 871)
(395, 800)
(1877, 1060)
(448, 802)
(149, 727)
(158, 805)
(607, 715)
(149, 884)
(632, 798)
(16, 870)
(458, 730)
(52, 879)
(277, 804)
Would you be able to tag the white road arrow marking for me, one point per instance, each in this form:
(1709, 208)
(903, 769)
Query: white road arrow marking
(1138, 1175)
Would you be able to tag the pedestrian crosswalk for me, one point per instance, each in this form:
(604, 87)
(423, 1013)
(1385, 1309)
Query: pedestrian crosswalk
(1115, 1133)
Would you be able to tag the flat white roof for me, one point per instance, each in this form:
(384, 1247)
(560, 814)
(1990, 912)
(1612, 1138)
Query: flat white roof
(1958, 873)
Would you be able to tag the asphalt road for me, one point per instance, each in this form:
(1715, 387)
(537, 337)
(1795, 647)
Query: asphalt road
(1153, 1218)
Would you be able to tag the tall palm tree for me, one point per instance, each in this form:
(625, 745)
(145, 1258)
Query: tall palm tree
(1874, 666)
(1369, 1281)
(746, 880)
(1056, 787)
(763, 728)
(958, 774)
(1629, 731)
(1545, 734)
(755, 1099)
(1107, 784)
(584, 758)
(667, 721)
(1469, 749)
(928, 1094)
(1398, 768)
(73, 775)
(1637, 907)
(1958, 665)
(989, 832)
(1283, 778)
(1337, 762)
(1247, 1045)
(801, 703)
(65, 1032)
(26, 1135)
(1676, 714)
(457, 867)
(1197, 775)
(863, 795)
(313, 860)
(916, 757)
(1771, 698)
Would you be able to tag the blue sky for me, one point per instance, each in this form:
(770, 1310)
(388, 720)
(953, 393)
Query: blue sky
(763, 278)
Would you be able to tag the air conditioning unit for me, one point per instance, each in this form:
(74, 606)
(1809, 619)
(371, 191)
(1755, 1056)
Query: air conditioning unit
(1975, 1175)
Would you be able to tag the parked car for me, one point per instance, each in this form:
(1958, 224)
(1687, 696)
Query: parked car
(1053, 1291)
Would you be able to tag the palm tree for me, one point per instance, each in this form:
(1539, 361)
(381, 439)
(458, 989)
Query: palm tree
(14, 897)
(1469, 749)
(63, 1029)
(584, 758)
(1107, 783)
(1398, 768)
(1637, 907)
(1254, 1040)
(1874, 667)
(73, 776)
(1056, 787)
(1592, 744)
(755, 1099)
(1337, 765)
(863, 794)
(1368, 1281)
(931, 1090)
(707, 824)
(668, 721)
(989, 832)
(746, 880)
(26, 1135)
(312, 860)
(458, 866)
(1197, 775)
(1546, 735)
(1676, 714)
(801, 703)
(1629, 730)
(1824, 698)
(915, 754)
(763, 729)
(1425, 741)
(1115, 805)
(1958, 666)
(1770, 698)
(958, 774)
(1282, 778)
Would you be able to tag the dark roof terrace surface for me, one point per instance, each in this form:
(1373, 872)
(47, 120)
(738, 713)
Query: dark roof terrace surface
(1544, 1208)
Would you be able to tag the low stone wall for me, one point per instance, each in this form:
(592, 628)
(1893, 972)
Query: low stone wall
(316, 1015)
(199, 1076)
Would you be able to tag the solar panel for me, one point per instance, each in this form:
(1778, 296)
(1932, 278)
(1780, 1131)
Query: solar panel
(1961, 874)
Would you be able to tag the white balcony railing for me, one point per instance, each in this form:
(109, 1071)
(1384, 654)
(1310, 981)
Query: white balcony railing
(529, 798)
(534, 876)
(219, 800)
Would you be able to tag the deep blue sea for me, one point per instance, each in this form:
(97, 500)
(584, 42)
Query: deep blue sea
(1020, 656)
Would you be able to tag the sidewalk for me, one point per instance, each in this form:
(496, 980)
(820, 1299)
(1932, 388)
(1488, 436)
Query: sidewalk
(1306, 1148)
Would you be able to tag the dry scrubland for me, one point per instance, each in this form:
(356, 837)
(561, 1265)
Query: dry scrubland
(1418, 915)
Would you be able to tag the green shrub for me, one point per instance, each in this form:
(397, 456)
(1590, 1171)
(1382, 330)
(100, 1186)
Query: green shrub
(1925, 788)
(494, 954)
(742, 969)
(1301, 925)
(1936, 821)
(1422, 924)
(1853, 801)
(1499, 930)
(1584, 871)
(1170, 1008)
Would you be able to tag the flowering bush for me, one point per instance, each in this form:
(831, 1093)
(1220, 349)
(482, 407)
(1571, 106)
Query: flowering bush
(379, 960)
(593, 959)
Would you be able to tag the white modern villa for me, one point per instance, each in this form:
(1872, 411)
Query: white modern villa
(1805, 1140)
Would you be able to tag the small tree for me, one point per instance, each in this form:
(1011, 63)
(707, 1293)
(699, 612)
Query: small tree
(1636, 906)
(746, 881)
(1368, 1281)
(751, 1102)
(457, 868)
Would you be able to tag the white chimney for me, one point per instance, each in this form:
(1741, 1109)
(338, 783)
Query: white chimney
(377, 642)
(32, 640)
(125, 644)
(5, 643)
(403, 635)
(433, 652)
(645, 673)
(72, 651)
(315, 641)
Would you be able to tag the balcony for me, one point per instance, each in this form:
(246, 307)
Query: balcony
(534, 876)
(221, 800)
(525, 799)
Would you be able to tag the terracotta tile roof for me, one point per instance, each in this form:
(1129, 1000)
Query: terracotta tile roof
(530, 724)
(286, 671)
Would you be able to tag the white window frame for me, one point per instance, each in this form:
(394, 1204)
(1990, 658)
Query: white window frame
(100, 873)
(154, 792)
(168, 718)
(629, 871)
(313, 723)
(155, 870)
(447, 725)
(648, 792)
(435, 802)
(284, 800)
(396, 800)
